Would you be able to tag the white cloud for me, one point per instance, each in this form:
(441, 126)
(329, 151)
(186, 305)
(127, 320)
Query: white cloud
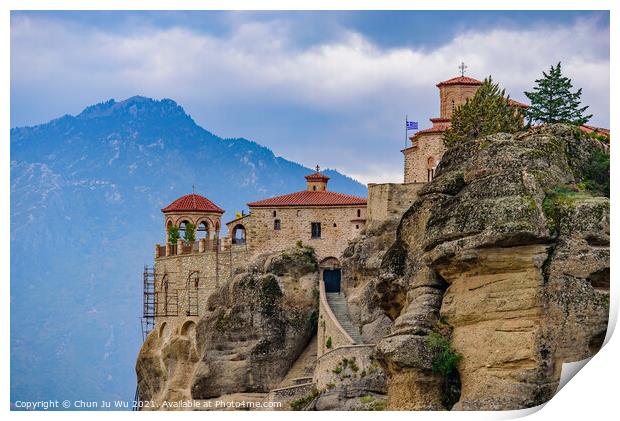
(366, 87)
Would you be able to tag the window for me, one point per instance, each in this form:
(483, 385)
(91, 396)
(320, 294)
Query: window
(238, 235)
(202, 231)
(298, 213)
(357, 227)
(314, 188)
(276, 225)
(453, 106)
(359, 213)
(316, 230)
(274, 214)
(334, 225)
(430, 174)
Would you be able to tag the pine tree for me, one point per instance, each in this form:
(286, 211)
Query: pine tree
(553, 102)
(489, 111)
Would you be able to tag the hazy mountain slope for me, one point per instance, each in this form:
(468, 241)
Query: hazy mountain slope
(85, 198)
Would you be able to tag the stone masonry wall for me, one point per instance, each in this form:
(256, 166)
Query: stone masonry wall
(456, 93)
(416, 157)
(330, 368)
(389, 201)
(338, 226)
(213, 269)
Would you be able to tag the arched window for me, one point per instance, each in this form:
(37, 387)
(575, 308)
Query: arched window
(238, 236)
(298, 213)
(431, 164)
(202, 230)
(274, 214)
(163, 330)
(359, 213)
(314, 188)
(453, 106)
(188, 329)
(276, 224)
(182, 228)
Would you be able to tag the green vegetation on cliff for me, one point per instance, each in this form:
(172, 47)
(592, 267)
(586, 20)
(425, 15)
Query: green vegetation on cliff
(488, 112)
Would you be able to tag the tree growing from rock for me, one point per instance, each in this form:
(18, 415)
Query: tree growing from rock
(489, 111)
(553, 102)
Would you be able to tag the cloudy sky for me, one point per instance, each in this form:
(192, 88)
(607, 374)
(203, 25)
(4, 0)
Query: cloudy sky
(331, 88)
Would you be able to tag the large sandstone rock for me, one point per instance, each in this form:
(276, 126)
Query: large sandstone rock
(500, 258)
(253, 330)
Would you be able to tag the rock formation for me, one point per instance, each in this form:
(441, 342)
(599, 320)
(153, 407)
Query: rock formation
(506, 258)
(254, 329)
(495, 276)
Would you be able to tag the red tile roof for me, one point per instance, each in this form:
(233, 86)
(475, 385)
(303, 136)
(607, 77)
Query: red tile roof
(517, 103)
(311, 198)
(192, 203)
(434, 129)
(589, 129)
(460, 80)
(317, 176)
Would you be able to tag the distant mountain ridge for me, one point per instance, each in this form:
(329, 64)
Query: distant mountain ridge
(86, 194)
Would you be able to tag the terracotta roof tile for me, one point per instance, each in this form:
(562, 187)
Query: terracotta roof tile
(460, 80)
(192, 203)
(517, 103)
(317, 176)
(311, 198)
(588, 129)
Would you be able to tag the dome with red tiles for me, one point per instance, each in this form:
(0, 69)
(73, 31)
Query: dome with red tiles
(460, 80)
(192, 203)
(317, 176)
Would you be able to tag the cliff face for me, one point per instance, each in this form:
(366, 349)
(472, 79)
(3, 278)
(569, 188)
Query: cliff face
(495, 276)
(507, 260)
(254, 329)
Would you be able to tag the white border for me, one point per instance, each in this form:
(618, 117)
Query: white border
(592, 395)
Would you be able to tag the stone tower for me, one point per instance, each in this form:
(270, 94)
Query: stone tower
(186, 273)
(426, 150)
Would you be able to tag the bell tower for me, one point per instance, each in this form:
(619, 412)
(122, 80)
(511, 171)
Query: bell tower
(317, 181)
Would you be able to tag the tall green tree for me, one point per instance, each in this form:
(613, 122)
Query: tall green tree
(553, 102)
(173, 234)
(190, 232)
(489, 111)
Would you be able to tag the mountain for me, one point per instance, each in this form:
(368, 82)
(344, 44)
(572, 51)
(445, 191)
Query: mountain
(86, 194)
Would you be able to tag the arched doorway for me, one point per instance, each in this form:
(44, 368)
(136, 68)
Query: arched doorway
(330, 269)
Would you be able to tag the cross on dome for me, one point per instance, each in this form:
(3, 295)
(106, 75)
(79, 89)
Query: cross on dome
(462, 68)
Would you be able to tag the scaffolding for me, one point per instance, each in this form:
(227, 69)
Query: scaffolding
(149, 301)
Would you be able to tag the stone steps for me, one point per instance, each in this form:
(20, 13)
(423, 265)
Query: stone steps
(338, 304)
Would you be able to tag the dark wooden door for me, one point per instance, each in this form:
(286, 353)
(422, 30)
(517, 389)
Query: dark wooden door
(331, 277)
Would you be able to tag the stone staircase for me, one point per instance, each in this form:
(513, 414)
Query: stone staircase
(338, 304)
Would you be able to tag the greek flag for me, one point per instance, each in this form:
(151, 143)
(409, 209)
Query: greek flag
(412, 125)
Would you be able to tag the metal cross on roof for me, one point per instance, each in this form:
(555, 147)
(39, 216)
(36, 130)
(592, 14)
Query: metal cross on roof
(462, 68)
(318, 169)
(193, 189)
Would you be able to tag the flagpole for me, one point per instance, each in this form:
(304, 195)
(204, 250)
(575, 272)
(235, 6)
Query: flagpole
(406, 120)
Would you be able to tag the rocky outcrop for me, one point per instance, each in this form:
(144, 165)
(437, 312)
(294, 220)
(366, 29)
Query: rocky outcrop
(505, 257)
(495, 276)
(253, 330)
